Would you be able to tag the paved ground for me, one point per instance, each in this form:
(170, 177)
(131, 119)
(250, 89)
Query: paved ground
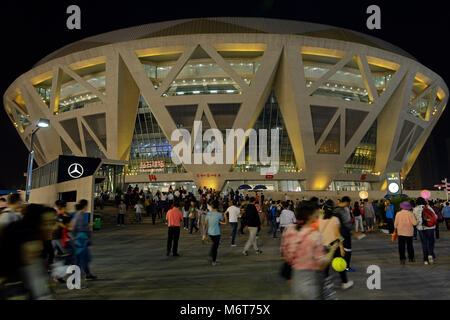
(131, 264)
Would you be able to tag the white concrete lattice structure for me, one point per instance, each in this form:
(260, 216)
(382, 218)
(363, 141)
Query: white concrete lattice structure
(400, 135)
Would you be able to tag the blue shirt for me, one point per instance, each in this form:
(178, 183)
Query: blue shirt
(446, 212)
(214, 218)
(273, 213)
(390, 212)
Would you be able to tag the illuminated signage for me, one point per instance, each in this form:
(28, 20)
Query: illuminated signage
(393, 183)
(151, 166)
(72, 167)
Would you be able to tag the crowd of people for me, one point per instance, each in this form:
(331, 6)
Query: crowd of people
(35, 240)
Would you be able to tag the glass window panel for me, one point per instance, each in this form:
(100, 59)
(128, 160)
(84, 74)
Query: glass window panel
(199, 74)
(271, 118)
(332, 142)
(150, 150)
(353, 119)
(321, 116)
(347, 84)
(73, 95)
(362, 160)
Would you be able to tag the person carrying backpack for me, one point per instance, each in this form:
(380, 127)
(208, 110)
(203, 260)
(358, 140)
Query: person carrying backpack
(426, 224)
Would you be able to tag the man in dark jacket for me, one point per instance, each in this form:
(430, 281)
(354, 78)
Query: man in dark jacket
(252, 222)
(342, 212)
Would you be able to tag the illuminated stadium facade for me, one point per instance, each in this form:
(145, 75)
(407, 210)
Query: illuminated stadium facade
(350, 107)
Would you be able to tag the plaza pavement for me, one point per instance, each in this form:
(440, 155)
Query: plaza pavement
(131, 263)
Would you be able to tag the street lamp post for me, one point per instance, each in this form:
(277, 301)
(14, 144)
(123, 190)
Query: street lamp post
(42, 123)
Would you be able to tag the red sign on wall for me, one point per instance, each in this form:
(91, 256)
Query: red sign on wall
(363, 177)
(152, 177)
(269, 176)
(208, 175)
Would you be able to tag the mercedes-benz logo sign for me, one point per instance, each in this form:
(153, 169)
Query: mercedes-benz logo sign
(75, 170)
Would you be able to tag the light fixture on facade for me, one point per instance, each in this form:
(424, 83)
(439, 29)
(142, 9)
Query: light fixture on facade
(43, 123)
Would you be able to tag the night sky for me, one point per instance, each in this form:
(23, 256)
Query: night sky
(31, 30)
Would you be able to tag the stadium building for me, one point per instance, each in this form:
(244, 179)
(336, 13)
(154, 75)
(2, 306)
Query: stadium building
(350, 108)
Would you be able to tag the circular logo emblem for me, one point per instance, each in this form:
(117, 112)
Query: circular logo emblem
(75, 170)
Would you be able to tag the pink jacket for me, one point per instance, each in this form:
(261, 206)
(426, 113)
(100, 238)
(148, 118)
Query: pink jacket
(404, 223)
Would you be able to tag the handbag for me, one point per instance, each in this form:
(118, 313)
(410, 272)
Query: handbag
(394, 236)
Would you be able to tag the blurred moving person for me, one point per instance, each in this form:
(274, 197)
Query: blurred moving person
(82, 238)
(12, 212)
(61, 243)
(23, 274)
(302, 248)
(3, 204)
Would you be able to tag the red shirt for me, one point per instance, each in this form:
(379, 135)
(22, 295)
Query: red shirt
(174, 217)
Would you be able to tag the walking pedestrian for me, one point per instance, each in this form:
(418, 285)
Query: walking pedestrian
(139, 208)
(252, 223)
(404, 226)
(389, 209)
(82, 238)
(329, 227)
(121, 214)
(174, 218)
(193, 217)
(242, 218)
(62, 241)
(233, 217)
(185, 211)
(357, 214)
(369, 216)
(272, 217)
(202, 211)
(342, 211)
(152, 210)
(287, 216)
(426, 223)
(446, 214)
(213, 221)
